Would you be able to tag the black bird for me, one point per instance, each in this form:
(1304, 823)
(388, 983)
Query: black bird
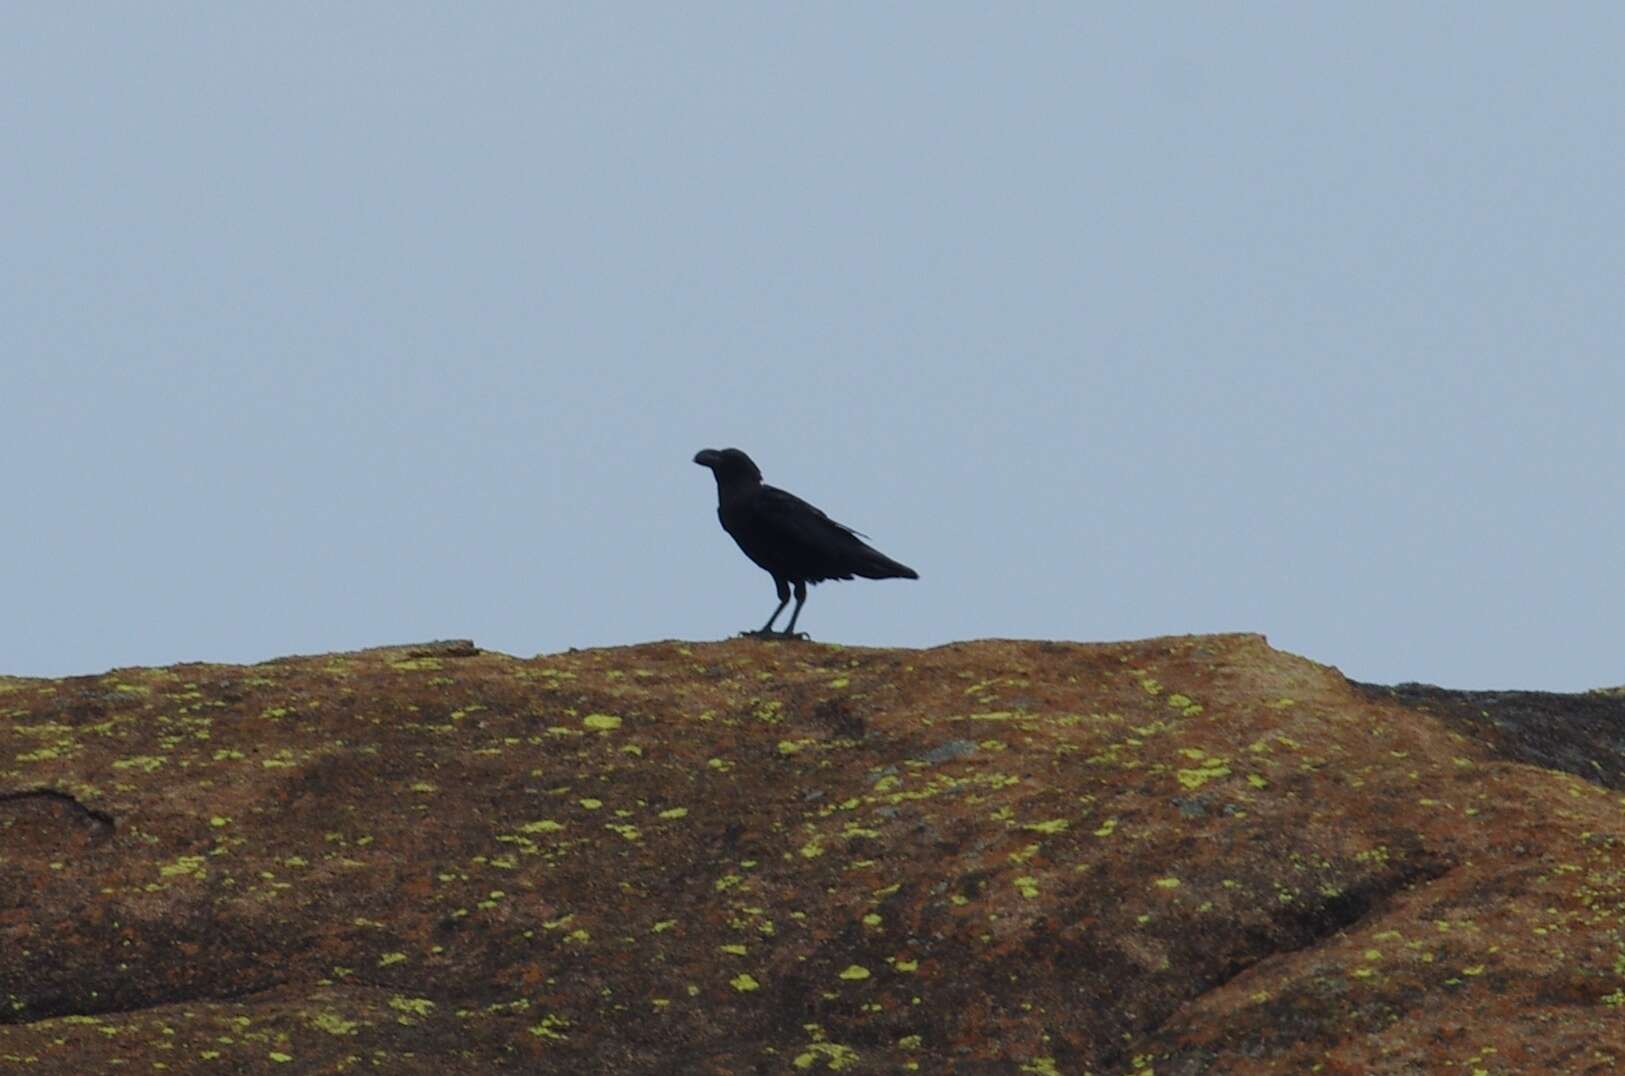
(787, 537)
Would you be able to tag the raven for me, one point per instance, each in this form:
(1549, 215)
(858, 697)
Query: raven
(787, 537)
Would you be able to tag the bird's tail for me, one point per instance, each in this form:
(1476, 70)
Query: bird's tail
(876, 565)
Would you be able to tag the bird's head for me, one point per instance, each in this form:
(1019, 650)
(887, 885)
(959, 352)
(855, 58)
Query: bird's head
(728, 464)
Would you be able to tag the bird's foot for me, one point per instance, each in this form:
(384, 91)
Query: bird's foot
(777, 636)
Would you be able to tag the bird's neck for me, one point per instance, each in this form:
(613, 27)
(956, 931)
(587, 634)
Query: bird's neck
(734, 489)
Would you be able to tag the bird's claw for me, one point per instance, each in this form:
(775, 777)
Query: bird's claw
(779, 636)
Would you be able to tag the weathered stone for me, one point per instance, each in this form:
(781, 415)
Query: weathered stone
(1185, 854)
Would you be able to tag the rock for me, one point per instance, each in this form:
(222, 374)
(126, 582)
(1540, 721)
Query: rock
(948, 752)
(1184, 854)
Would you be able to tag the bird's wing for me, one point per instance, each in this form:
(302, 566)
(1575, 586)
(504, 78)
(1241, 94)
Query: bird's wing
(797, 520)
(790, 537)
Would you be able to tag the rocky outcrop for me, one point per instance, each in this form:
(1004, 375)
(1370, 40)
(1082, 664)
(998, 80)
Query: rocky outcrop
(1183, 855)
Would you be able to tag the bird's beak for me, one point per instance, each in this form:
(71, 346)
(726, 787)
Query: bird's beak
(706, 457)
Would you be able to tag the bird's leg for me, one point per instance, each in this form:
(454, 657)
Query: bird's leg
(801, 599)
(766, 630)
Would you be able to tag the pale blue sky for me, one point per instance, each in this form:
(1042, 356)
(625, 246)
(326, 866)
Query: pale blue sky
(325, 326)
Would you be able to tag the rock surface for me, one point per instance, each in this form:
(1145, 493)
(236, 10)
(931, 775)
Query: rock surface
(1180, 855)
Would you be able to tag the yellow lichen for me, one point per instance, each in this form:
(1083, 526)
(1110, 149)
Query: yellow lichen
(833, 1054)
(333, 1023)
(192, 865)
(1196, 778)
(145, 763)
(550, 1027)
